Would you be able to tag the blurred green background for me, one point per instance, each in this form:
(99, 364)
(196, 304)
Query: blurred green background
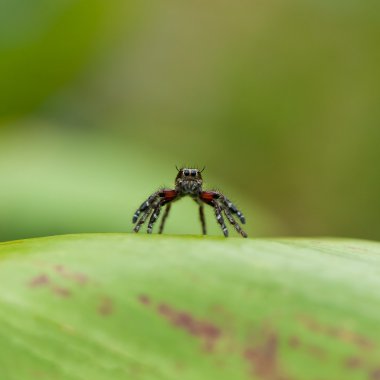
(100, 100)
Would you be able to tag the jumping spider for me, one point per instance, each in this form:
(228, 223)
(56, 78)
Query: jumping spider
(188, 182)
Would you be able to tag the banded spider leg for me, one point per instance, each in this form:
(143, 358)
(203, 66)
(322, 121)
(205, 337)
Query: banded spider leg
(152, 206)
(221, 203)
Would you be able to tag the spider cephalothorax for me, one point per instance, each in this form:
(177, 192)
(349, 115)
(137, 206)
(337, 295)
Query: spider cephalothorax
(188, 182)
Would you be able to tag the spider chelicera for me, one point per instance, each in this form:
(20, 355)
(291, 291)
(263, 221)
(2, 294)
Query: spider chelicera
(188, 182)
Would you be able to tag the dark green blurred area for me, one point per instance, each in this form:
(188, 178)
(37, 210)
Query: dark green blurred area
(100, 100)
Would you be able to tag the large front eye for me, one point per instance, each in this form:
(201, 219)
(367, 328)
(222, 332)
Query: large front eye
(186, 172)
(193, 173)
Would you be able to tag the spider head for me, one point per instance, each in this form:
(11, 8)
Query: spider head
(189, 181)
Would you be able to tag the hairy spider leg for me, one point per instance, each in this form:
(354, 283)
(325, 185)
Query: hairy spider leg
(155, 215)
(232, 208)
(201, 215)
(144, 216)
(144, 206)
(210, 197)
(203, 219)
(163, 220)
(227, 206)
(153, 206)
(231, 219)
(219, 218)
(167, 196)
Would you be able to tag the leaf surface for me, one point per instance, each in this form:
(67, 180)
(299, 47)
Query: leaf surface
(122, 306)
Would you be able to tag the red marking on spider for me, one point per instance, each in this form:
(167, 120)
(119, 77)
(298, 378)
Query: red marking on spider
(207, 196)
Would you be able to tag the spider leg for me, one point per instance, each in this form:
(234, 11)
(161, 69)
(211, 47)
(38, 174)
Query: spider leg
(201, 215)
(219, 218)
(231, 219)
(208, 197)
(144, 206)
(203, 220)
(154, 217)
(213, 198)
(142, 219)
(152, 206)
(163, 220)
(226, 202)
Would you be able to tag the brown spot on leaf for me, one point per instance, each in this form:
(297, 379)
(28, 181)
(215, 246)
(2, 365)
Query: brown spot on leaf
(202, 329)
(353, 362)
(311, 324)
(59, 268)
(79, 278)
(338, 333)
(144, 299)
(313, 350)
(61, 292)
(362, 342)
(263, 358)
(294, 342)
(316, 351)
(106, 306)
(375, 374)
(38, 374)
(199, 328)
(165, 310)
(40, 280)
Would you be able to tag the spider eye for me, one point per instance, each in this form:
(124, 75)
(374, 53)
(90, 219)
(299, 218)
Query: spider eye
(186, 172)
(193, 173)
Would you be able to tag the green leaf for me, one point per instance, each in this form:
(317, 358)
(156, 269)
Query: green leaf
(122, 306)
